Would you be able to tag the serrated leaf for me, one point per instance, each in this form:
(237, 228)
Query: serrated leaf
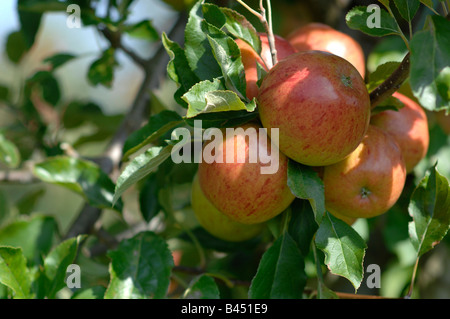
(197, 48)
(81, 176)
(430, 67)
(430, 209)
(407, 8)
(281, 273)
(143, 30)
(202, 287)
(14, 272)
(343, 247)
(305, 183)
(33, 235)
(140, 268)
(357, 18)
(101, 71)
(9, 153)
(56, 263)
(140, 167)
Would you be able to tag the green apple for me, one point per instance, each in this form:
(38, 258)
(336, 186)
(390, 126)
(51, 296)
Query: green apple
(215, 222)
(320, 104)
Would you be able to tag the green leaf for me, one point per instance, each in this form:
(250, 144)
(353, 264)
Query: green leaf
(16, 46)
(4, 93)
(430, 67)
(343, 247)
(157, 125)
(4, 207)
(382, 72)
(228, 55)
(96, 292)
(143, 30)
(140, 268)
(9, 153)
(407, 8)
(14, 272)
(43, 6)
(56, 263)
(48, 85)
(430, 209)
(29, 21)
(302, 225)
(59, 59)
(281, 273)
(210, 97)
(357, 18)
(390, 103)
(305, 183)
(34, 235)
(148, 198)
(140, 167)
(428, 3)
(101, 71)
(202, 287)
(198, 50)
(81, 176)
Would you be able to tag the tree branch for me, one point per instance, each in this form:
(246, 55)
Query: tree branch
(392, 83)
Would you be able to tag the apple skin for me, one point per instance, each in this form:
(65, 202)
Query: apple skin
(250, 59)
(409, 127)
(240, 190)
(318, 36)
(320, 104)
(369, 181)
(215, 222)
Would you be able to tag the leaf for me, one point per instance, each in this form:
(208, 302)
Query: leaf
(96, 292)
(407, 8)
(34, 235)
(4, 207)
(14, 272)
(46, 82)
(430, 209)
(81, 176)
(157, 125)
(9, 153)
(281, 273)
(59, 59)
(343, 247)
(202, 287)
(140, 268)
(101, 71)
(305, 183)
(358, 17)
(140, 167)
(56, 263)
(29, 21)
(430, 68)
(428, 3)
(210, 97)
(382, 72)
(198, 50)
(143, 30)
(148, 198)
(228, 55)
(302, 226)
(4, 93)
(16, 46)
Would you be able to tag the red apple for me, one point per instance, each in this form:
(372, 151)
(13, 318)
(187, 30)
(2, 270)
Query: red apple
(318, 36)
(238, 188)
(409, 127)
(369, 181)
(215, 222)
(250, 59)
(320, 104)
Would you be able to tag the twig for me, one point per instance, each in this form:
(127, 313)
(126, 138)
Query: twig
(18, 176)
(392, 83)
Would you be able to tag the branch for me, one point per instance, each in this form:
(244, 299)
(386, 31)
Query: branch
(392, 83)
(18, 176)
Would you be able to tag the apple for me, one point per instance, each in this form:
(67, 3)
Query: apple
(369, 181)
(320, 104)
(250, 59)
(238, 188)
(217, 223)
(318, 36)
(443, 121)
(409, 127)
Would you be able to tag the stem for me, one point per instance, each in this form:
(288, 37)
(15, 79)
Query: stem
(246, 6)
(413, 279)
(445, 8)
(392, 83)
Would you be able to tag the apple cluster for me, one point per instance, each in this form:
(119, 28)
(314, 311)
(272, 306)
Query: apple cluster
(317, 97)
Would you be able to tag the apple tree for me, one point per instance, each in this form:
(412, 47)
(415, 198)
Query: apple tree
(130, 198)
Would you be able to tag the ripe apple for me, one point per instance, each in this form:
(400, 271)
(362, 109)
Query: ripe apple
(443, 121)
(369, 181)
(217, 223)
(318, 36)
(320, 104)
(250, 59)
(409, 127)
(237, 187)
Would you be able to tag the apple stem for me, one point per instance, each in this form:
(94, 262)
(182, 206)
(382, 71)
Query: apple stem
(392, 83)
